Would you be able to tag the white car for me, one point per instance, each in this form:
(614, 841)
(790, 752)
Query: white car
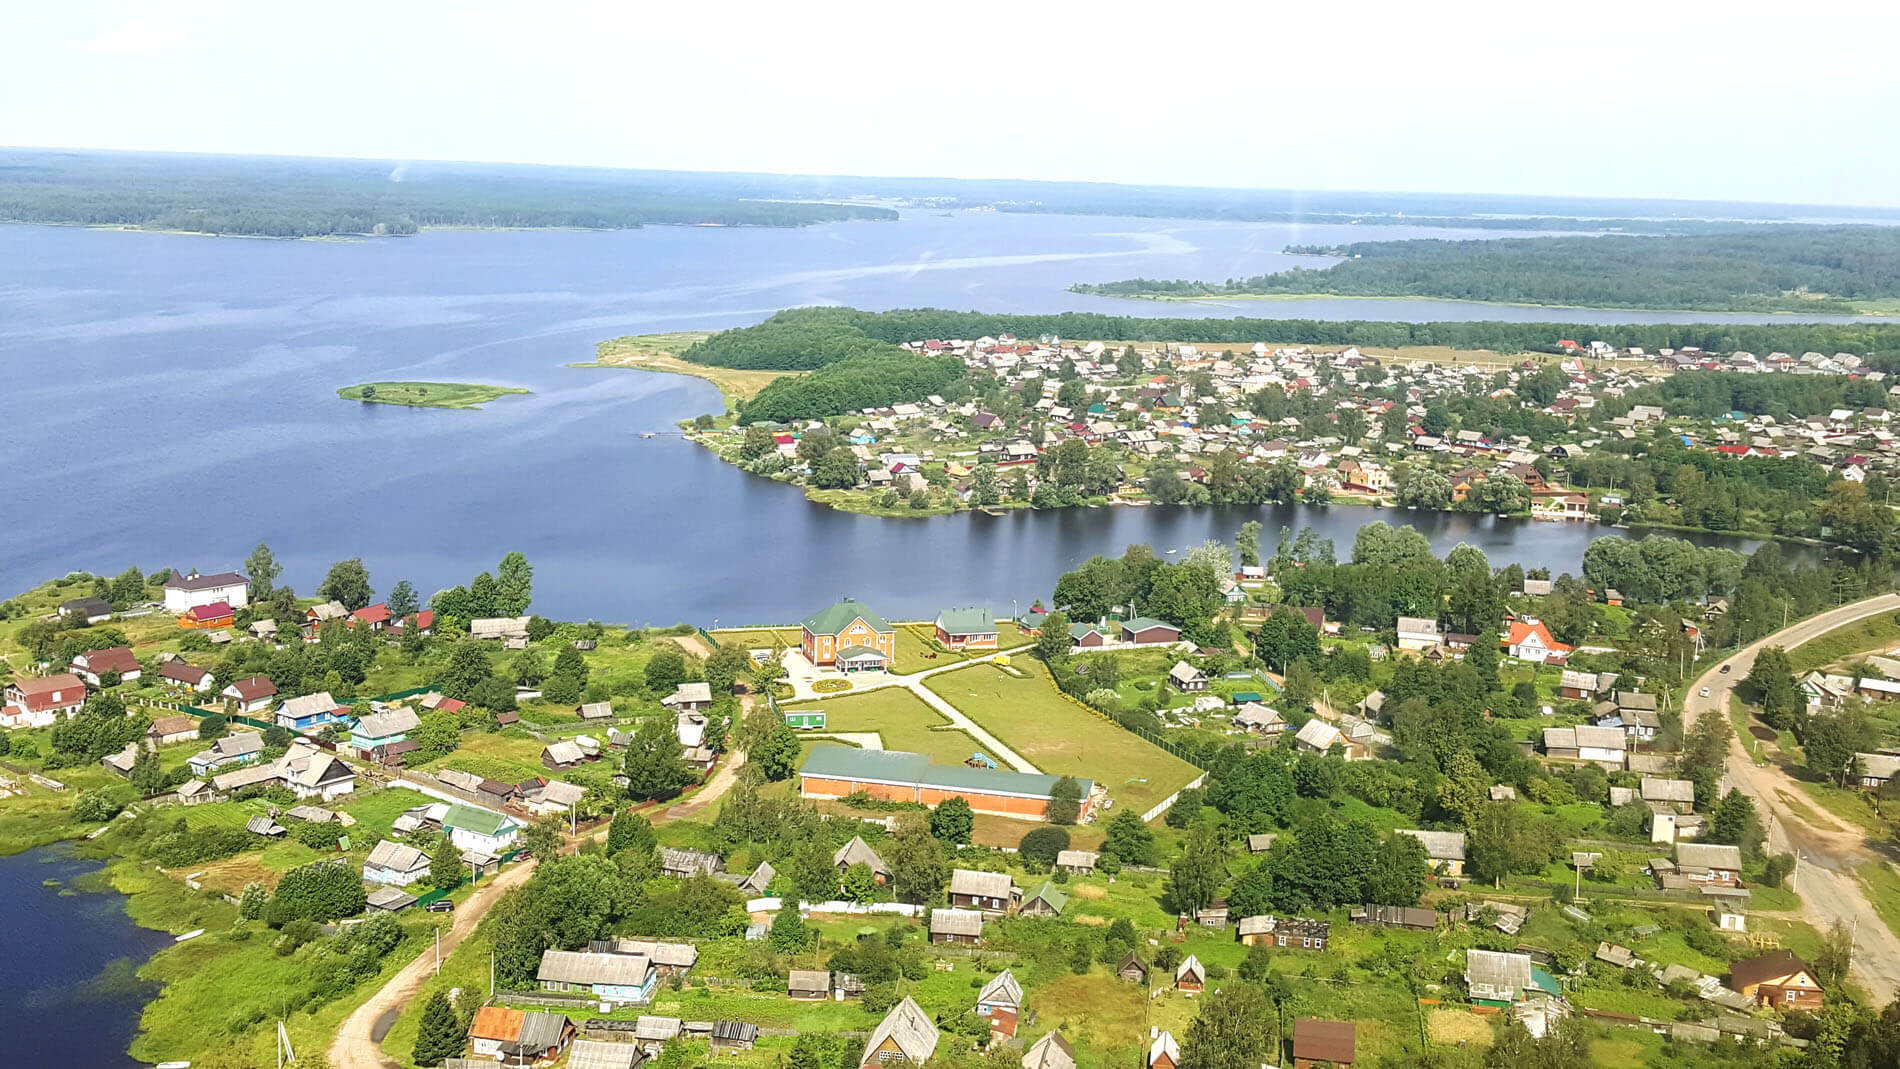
(1705, 692)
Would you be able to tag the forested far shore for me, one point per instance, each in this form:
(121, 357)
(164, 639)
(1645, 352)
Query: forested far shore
(296, 198)
(1772, 268)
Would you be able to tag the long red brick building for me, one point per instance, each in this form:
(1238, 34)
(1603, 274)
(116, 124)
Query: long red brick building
(895, 776)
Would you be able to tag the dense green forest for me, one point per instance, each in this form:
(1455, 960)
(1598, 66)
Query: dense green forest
(860, 382)
(911, 324)
(798, 339)
(293, 198)
(1774, 268)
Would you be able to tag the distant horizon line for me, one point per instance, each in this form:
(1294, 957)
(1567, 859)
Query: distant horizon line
(1547, 198)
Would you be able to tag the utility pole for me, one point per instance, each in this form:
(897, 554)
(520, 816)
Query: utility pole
(438, 950)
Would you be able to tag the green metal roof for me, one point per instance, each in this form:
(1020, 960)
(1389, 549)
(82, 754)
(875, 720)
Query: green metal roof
(1079, 630)
(1544, 981)
(1143, 623)
(896, 766)
(838, 617)
(478, 820)
(967, 622)
(1048, 893)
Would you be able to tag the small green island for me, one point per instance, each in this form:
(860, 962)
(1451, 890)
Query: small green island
(427, 394)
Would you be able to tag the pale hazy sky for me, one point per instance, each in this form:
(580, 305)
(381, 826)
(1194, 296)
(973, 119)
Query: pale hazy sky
(1658, 98)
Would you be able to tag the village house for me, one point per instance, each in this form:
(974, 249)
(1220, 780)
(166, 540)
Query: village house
(208, 617)
(618, 978)
(848, 636)
(956, 926)
(503, 629)
(94, 666)
(243, 748)
(733, 1035)
(859, 852)
(1050, 1052)
(895, 776)
(1530, 640)
(687, 698)
(1047, 901)
(1875, 769)
(1190, 976)
(381, 729)
(473, 828)
(395, 863)
(562, 755)
(1607, 747)
(170, 729)
(906, 1036)
(1444, 849)
(1415, 918)
(38, 702)
(967, 629)
(685, 864)
(1321, 1044)
(1710, 863)
(1146, 631)
(311, 711)
(506, 1035)
(1496, 978)
(1304, 933)
(177, 674)
(1318, 736)
(1418, 633)
(250, 695)
(1000, 1001)
(1186, 678)
(185, 591)
(808, 985)
(92, 610)
(991, 892)
(1077, 862)
(1163, 1051)
(1257, 719)
(1777, 980)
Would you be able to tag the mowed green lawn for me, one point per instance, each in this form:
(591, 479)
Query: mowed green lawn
(1058, 735)
(900, 718)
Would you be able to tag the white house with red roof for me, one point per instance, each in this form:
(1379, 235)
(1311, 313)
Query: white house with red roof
(94, 664)
(1530, 640)
(37, 702)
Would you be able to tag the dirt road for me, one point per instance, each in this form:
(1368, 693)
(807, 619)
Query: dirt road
(358, 1042)
(1830, 848)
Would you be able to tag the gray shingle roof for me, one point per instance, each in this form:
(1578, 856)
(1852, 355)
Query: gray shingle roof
(909, 1028)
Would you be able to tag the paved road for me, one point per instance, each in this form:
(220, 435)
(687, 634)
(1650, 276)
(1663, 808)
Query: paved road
(358, 1043)
(1830, 848)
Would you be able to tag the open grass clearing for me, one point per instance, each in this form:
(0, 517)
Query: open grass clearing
(660, 352)
(1058, 735)
(900, 718)
(1870, 635)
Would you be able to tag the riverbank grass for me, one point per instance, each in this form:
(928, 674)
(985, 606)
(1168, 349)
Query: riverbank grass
(427, 394)
(660, 352)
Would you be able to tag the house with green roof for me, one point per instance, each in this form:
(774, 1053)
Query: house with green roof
(849, 637)
(474, 828)
(966, 629)
(1046, 902)
(894, 776)
(1148, 631)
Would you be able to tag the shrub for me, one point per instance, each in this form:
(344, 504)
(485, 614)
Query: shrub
(1039, 848)
(96, 807)
(831, 686)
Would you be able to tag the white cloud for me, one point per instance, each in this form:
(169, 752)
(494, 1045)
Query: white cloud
(136, 37)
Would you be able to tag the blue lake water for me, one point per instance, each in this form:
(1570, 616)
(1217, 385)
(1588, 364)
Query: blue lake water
(68, 962)
(171, 403)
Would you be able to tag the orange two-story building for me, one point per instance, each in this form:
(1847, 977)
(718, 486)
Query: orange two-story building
(850, 637)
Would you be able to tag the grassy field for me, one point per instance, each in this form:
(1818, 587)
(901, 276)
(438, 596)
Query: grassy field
(900, 718)
(660, 352)
(1883, 892)
(1873, 634)
(1058, 735)
(917, 649)
(503, 755)
(427, 394)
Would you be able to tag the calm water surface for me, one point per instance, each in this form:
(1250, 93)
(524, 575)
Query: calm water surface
(68, 961)
(171, 402)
